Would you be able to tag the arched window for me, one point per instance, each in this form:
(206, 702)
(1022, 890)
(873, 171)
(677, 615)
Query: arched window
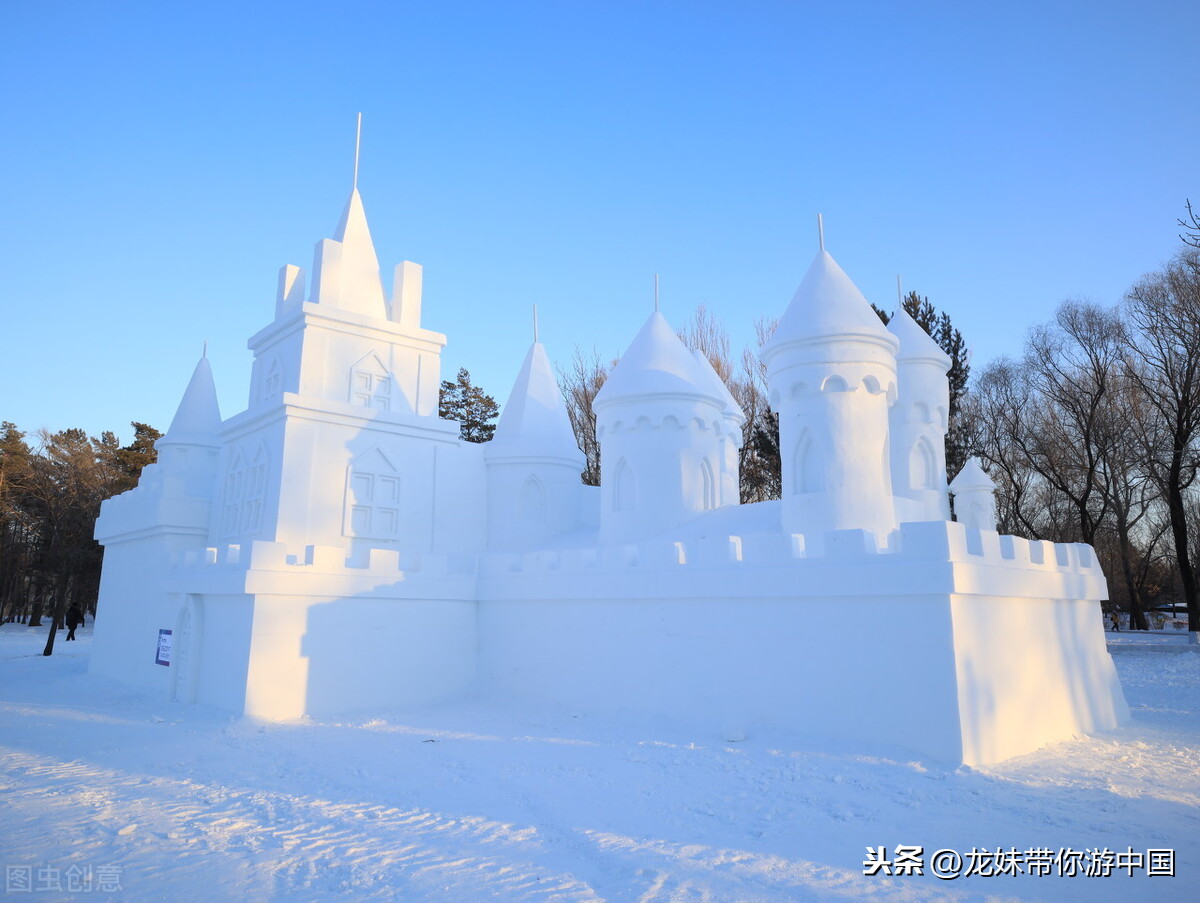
(972, 518)
(708, 484)
(921, 465)
(624, 489)
(809, 475)
(531, 502)
(372, 497)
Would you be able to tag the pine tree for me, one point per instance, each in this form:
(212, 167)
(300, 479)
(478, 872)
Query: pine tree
(473, 408)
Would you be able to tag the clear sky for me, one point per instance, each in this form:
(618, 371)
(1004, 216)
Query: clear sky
(160, 162)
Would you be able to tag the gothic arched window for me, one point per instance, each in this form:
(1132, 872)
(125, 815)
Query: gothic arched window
(624, 489)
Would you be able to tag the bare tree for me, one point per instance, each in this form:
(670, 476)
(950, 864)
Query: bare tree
(758, 461)
(1164, 363)
(1002, 412)
(579, 382)
(1191, 227)
(1072, 364)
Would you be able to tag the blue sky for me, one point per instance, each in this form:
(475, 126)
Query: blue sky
(161, 161)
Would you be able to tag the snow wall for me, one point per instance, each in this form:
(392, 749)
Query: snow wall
(960, 645)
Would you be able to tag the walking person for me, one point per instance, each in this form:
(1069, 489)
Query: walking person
(74, 619)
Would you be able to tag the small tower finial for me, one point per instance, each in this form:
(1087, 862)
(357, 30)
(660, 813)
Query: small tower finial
(899, 291)
(357, 145)
(204, 350)
(821, 232)
(535, 325)
(656, 292)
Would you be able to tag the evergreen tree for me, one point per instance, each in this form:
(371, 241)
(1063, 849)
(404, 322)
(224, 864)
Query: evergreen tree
(473, 408)
(49, 501)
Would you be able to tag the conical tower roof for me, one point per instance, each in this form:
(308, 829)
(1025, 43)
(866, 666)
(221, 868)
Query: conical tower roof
(732, 408)
(827, 305)
(361, 286)
(198, 418)
(534, 422)
(915, 343)
(658, 363)
(972, 476)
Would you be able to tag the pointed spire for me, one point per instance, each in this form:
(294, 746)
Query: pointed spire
(361, 288)
(198, 418)
(534, 421)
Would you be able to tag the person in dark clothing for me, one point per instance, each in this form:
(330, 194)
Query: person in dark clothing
(74, 619)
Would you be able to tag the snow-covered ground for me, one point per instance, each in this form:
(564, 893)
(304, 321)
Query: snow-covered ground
(493, 800)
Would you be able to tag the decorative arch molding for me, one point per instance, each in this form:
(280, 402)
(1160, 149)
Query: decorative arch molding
(807, 466)
(973, 516)
(189, 630)
(531, 501)
(372, 384)
(624, 497)
(373, 495)
(835, 384)
(922, 465)
(708, 485)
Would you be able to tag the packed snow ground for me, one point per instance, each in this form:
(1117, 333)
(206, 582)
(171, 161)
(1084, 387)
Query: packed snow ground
(498, 800)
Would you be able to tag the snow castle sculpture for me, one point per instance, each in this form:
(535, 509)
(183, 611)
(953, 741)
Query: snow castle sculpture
(336, 547)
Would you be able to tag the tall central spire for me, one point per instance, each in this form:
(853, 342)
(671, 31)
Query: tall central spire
(357, 147)
(356, 285)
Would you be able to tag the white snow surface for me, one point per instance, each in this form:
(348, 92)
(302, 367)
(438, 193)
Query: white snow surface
(495, 799)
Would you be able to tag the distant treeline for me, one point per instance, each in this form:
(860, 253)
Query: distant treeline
(50, 494)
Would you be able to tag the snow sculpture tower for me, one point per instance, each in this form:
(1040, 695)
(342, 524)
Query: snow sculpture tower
(533, 461)
(974, 497)
(918, 420)
(143, 530)
(187, 454)
(343, 411)
(664, 422)
(831, 372)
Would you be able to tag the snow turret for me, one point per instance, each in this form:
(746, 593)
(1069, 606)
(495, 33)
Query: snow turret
(533, 462)
(731, 433)
(831, 370)
(974, 497)
(662, 423)
(187, 454)
(918, 423)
